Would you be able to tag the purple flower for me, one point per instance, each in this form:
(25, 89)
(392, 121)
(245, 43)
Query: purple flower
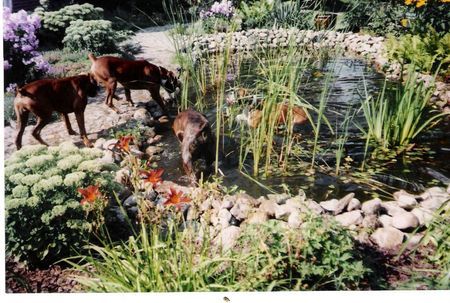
(6, 65)
(223, 9)
(11, 87)
(20, 42)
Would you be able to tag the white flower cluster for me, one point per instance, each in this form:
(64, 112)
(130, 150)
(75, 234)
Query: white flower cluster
(74, 179)
(67, 148)
(40, 162)
(46, 185)
(16, 178)
(30, 150)
(69, 162)
(30, 180)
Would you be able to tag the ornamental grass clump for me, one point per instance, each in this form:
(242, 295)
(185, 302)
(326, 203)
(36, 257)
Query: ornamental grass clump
(393, 123)
(45, 187)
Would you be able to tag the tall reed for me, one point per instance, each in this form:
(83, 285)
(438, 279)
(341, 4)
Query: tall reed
(393, 123)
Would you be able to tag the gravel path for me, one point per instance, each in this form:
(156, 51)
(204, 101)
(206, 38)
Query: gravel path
(156, 48)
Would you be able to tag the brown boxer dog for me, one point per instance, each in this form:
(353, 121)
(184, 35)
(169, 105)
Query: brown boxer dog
(194, 133)
(132, 74)
(42, 97)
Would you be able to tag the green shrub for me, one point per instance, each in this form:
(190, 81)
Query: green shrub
(94, 36)
(54, 23)
(44, 218)
(255, 14)
(427, 52)
(320, 255)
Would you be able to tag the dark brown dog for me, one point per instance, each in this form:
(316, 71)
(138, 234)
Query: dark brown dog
(194, 132)
(138, 74)
(42, 97)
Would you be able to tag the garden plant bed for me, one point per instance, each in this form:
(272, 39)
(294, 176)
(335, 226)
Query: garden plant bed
(330, 149)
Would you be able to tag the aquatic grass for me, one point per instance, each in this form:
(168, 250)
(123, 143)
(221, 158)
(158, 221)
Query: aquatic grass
(393, 123)
(342, 139)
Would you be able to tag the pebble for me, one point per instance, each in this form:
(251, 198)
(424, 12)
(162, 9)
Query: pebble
(224, 217)
(405, 200)
(370, 221)
(392, 208)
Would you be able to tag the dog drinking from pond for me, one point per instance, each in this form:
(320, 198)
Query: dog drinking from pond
(43, 97)
(194, 133)
(133, 74)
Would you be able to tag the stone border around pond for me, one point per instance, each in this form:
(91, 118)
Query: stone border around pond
(368, 47)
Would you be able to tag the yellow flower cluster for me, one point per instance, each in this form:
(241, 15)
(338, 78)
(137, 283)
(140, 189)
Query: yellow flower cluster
(420, 3)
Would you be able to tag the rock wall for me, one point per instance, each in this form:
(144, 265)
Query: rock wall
(351, 44)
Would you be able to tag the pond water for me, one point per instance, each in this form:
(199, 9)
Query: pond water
(427, 165)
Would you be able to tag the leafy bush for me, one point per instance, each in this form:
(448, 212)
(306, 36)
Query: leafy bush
(44, 218)
(427, 52)
(435, 13)
(320, 255)
(22, 62)
(379, 17)
(54, 23)
(94, 36)
(256, 14)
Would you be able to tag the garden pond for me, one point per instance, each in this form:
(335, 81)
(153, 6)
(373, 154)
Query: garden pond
(427, 164)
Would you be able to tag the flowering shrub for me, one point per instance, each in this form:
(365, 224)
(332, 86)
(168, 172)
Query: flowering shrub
(54, 23)
(435, 13)
(55, 198)
(22, 62)
(218, 16)
(94, 36)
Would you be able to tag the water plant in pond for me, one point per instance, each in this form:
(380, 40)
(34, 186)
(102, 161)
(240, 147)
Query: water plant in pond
(393, 123)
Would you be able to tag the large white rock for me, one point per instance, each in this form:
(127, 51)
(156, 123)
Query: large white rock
(405, 221)
(354, 204)
(224, 217)
(350, 218)
(385, 220)
(241, 210)
(405, 200)
(392, 208)
(282, 212)
(387, 237)
(294, 220)
(229, 236)
(269, 207)
(423, 215)
(334, 205)
(258, 217)
(371, 207)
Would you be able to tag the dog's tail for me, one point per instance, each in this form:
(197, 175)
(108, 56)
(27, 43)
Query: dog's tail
(92, 57)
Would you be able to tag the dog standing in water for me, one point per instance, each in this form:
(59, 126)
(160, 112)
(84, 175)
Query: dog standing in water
(194, 133)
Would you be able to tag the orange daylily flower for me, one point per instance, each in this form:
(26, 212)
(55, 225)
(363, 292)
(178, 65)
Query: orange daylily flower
(124, 143)
(176, 198)
(153, 176)
(90, 194)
